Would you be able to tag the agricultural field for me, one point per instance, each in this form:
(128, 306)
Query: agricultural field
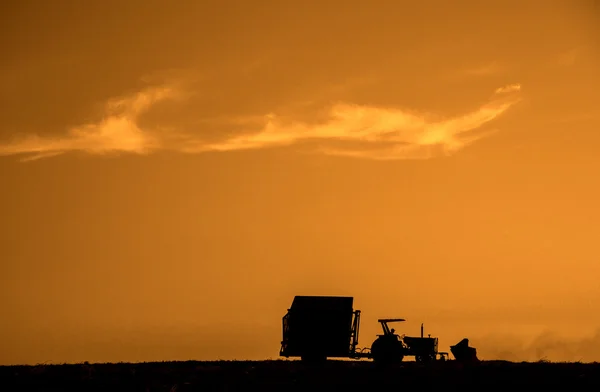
(283, 375)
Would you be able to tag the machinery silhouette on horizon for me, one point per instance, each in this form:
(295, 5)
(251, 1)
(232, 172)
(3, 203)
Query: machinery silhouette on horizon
(319, 327)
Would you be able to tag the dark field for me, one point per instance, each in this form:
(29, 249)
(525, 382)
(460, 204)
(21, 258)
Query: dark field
(295, 376)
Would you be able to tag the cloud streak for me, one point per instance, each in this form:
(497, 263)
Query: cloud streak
(117, 132)
(405, 134)
(382, 133)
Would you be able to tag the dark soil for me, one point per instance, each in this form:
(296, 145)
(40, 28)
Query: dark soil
(296, 376)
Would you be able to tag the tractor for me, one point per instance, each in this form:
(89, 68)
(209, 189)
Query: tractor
(390, 347)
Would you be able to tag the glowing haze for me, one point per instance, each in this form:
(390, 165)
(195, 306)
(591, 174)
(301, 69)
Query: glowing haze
(173, 173)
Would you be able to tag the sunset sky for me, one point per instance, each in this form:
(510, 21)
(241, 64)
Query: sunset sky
(173, 172)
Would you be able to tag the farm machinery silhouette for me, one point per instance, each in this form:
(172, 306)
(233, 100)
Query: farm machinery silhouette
(319, 327)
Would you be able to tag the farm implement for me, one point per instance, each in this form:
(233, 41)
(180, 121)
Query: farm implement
(319, 327)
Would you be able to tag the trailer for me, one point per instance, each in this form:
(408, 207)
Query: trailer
(316, 328)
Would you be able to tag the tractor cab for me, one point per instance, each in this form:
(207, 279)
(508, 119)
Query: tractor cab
(386, 329)
(388, 347)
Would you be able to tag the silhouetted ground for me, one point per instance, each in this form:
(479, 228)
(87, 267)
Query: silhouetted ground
(295, 376)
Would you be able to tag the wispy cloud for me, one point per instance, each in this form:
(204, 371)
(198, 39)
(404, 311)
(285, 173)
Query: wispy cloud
(398, 133)
(508, 89)
(118, 131)
(405, 134)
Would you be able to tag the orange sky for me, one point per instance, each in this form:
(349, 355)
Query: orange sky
(173, 173)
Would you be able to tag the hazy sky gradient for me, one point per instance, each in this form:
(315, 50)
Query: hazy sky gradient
(173, 173)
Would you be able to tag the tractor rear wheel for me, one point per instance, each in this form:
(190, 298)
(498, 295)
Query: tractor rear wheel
(385, 350)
